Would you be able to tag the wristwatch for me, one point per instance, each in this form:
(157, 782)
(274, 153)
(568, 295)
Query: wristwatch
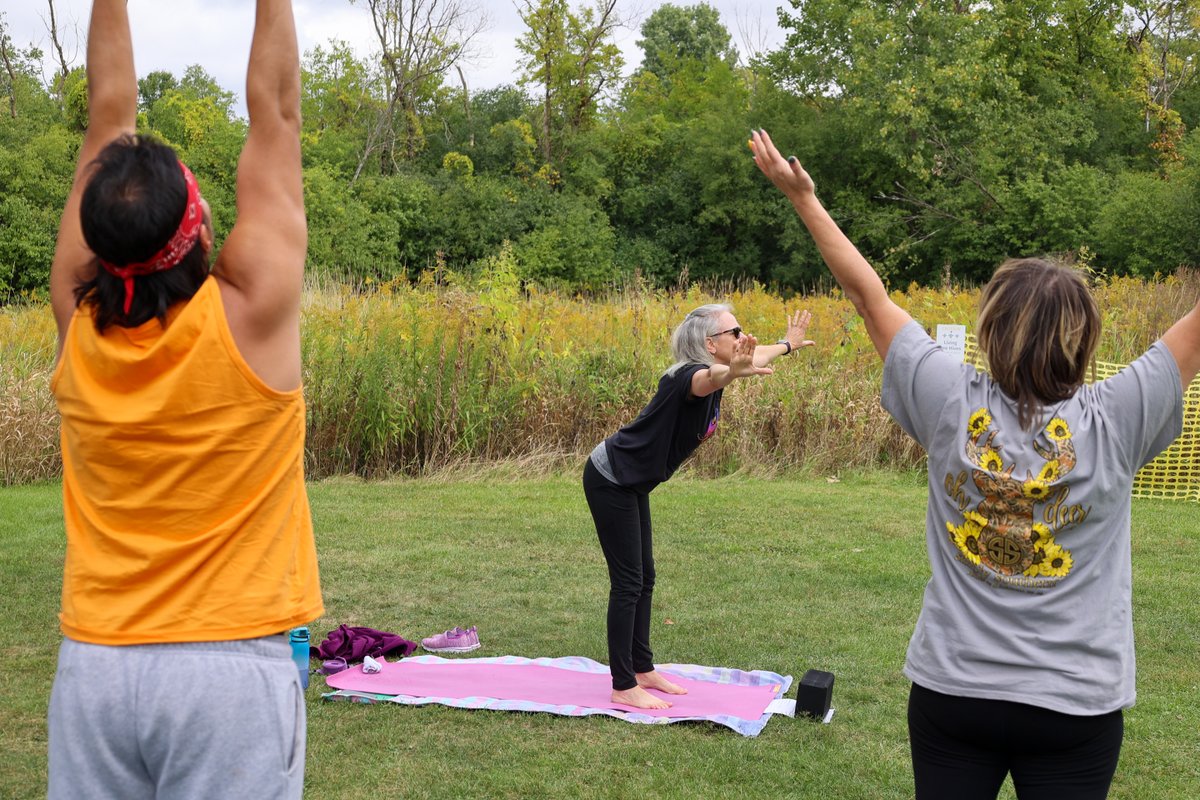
(786, 343)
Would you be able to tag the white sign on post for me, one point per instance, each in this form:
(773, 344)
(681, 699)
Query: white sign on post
(953, 339)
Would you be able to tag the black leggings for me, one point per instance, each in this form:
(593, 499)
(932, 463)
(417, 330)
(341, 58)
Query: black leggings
(622, 518)
(962, 748)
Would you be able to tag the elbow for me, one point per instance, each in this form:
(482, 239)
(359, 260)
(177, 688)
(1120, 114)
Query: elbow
(269, 101)
(860, 305)
(275, 116)
(112, 107)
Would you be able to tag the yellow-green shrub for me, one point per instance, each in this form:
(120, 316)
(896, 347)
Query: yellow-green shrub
(415, 379)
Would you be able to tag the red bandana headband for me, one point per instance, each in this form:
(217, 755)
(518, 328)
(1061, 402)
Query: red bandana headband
(178, 246)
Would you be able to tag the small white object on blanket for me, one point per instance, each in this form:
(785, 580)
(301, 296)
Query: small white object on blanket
(371, 666)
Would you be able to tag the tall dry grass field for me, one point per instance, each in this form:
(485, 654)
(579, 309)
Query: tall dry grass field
(28, 419)
(439, 376)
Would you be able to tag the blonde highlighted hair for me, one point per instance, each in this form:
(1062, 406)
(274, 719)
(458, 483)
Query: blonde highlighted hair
(1038, 328)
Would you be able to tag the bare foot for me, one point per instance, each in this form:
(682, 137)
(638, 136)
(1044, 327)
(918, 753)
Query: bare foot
(654, 680)
(638, 698)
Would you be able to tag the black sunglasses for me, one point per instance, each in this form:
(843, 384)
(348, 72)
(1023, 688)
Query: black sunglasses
(737, 333)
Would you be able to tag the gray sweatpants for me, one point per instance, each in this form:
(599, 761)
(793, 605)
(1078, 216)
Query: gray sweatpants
(177, 721)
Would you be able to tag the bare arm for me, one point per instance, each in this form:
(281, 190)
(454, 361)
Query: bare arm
(797, 326)
(857, 278)
(1183, 340)
(112, 111)
(261, 266)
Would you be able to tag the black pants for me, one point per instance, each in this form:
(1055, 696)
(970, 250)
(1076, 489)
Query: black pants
(962, 748)
(622, 518)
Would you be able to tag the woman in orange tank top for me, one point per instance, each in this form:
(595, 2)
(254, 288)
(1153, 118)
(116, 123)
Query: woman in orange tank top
(190, 548)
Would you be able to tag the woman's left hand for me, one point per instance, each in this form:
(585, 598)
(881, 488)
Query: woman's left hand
(797, 326)
(742, 363)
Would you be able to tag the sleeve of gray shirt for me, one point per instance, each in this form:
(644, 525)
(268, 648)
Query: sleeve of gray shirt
(918, 379)
(1144, 404)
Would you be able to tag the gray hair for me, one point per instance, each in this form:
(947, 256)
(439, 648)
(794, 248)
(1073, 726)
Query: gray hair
(687, 342)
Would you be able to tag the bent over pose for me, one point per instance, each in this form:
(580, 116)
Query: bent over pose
(189, 542)
(711, 351)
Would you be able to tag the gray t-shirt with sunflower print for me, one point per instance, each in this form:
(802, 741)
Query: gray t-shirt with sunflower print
(1028, 532)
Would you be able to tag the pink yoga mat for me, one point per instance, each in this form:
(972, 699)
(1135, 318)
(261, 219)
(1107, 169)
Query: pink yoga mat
(550, 685)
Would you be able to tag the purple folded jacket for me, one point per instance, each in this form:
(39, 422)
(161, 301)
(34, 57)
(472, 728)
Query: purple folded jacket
(353, 643)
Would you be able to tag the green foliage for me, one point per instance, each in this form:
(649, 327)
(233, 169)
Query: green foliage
(1148, 225)
(36, 175)
(197, 84)
(490, 126)
(458, 165)
(347, 239)
(685, 189)
(152, 88)
(673, 34)
(76, 91)
(962, 113)
(943, 136)
(512, 147)
(340, 102)
(573, 246)
(572, 58)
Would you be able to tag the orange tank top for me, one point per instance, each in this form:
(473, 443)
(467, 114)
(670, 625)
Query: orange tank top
(183, 485)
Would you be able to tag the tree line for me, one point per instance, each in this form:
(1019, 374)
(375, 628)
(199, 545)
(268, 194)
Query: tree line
(944, 135)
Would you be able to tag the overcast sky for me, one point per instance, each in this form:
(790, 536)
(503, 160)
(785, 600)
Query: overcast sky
(216, 33)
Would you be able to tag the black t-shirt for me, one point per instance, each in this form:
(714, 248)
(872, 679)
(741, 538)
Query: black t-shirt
(648, 450)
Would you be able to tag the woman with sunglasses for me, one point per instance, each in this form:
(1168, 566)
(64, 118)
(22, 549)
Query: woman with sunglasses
(711, 351)
(1022, 658)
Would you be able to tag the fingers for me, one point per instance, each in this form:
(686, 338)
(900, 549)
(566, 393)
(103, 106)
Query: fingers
(800, 320)
(781, 171)
(739, 347)
(760, 156)
(743, 349)
(798, 324)
(793, 163)
(768, 146)
(764, 151)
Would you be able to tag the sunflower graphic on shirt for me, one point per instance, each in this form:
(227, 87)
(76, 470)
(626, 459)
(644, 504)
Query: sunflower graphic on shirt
(999, 534)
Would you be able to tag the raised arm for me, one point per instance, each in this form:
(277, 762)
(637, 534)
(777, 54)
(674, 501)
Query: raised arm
(860, 282)
(112, 112)
(797, 327)
(1183, 340)
(261, 266)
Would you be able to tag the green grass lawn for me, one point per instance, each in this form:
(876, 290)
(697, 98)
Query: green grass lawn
(784, 575)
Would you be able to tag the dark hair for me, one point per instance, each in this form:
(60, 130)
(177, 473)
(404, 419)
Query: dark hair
(1038, 326)
(130, 208)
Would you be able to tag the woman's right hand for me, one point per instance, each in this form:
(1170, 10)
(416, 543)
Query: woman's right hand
(857, 278)
(786, 173)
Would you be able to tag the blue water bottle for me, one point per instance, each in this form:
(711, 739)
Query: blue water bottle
(299, 640)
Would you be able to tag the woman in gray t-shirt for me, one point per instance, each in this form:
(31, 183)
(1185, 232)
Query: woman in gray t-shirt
(1022, 658)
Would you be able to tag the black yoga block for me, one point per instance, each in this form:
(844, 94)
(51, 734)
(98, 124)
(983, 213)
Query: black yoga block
(814, 693)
